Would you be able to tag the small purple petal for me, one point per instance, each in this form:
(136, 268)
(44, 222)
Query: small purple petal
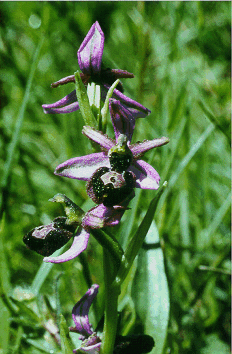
(80, 243)
(146, 176)
(122, 74)
(123, 121)
(63, 81)
(91, 50)
(82, 167)
(129, 102)
(102, 216)
(67, 109)
(80, 311)
(99, 138)
(136, 113)
(138, 149)
(70, 98)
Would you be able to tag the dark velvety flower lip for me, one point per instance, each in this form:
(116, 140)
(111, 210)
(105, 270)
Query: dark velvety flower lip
(46, 239)
(79, 244)
(90, 52)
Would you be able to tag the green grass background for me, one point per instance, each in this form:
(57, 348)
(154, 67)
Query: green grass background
(180, 55)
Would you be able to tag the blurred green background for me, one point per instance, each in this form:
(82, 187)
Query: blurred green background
(180, 55)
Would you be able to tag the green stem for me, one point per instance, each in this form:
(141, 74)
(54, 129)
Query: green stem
(109, 243)
(105, 108)
(111, 305)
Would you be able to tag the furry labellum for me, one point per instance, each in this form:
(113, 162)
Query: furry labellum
(110, 187)
(46, 239)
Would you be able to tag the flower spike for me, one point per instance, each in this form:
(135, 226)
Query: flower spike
(84, 167)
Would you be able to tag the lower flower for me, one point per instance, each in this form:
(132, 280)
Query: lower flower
(91, 342)
(46, 239)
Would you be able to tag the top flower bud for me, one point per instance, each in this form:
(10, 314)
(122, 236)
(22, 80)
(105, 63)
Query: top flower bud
(90, 62)
(90, 52)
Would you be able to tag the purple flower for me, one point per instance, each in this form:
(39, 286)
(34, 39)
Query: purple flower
(80, 314)
(90, 62)
(118, 155)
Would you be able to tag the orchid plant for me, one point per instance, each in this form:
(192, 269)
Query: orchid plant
(112, 174)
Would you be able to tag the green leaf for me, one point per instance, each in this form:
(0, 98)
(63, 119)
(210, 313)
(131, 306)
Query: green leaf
(64, 337)
(184, 162)
(41, 347)
(109, 242)
(151, 293)
(83, 101)
(4, 327)
(94, 95)
(126, 302)
(25, 312)
(136, 242)
(4, 269)
(43, 272)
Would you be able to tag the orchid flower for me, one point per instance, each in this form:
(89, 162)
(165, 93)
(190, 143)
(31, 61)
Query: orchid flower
(90, 62)
(118, 155)
(80, 314)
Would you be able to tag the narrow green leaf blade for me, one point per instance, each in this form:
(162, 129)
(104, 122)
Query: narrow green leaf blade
(137, 240)
(83, 101)
(64, 337)
(151, 291)
(43, 272)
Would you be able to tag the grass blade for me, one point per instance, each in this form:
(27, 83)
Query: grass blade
(19, 121)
